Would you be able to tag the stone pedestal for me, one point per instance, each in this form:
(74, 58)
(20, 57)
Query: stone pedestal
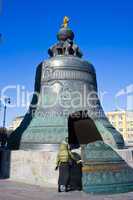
(105, 170)
(127, 155)
(34, 167)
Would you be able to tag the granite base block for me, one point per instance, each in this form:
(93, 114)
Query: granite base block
(34, 167)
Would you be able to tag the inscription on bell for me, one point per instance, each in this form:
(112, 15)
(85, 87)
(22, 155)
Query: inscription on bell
(66, 75)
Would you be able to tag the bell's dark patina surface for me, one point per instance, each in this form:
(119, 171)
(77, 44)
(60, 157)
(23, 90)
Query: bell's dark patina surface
(66, 103)
(65, 84)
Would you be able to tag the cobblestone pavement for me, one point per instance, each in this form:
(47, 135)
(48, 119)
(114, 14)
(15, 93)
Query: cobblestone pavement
(18, 191)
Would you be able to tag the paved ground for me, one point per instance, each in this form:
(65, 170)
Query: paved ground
(18, 191)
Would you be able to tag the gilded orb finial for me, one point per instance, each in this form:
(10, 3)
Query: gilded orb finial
(65, 22)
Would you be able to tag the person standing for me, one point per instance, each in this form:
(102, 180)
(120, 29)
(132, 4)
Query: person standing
(63, 163)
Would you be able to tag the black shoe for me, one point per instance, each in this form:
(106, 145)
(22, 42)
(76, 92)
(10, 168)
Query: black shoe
(70, 188)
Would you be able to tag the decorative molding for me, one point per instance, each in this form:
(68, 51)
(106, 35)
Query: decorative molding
(51, 74)
(104, 167)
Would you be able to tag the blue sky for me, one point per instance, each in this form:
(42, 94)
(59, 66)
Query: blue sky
(103, 29)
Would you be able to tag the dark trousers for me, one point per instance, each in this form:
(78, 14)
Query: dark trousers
(64, 174)
(75, 180)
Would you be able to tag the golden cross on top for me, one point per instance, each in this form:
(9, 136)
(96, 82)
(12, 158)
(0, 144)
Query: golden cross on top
(65, 22)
